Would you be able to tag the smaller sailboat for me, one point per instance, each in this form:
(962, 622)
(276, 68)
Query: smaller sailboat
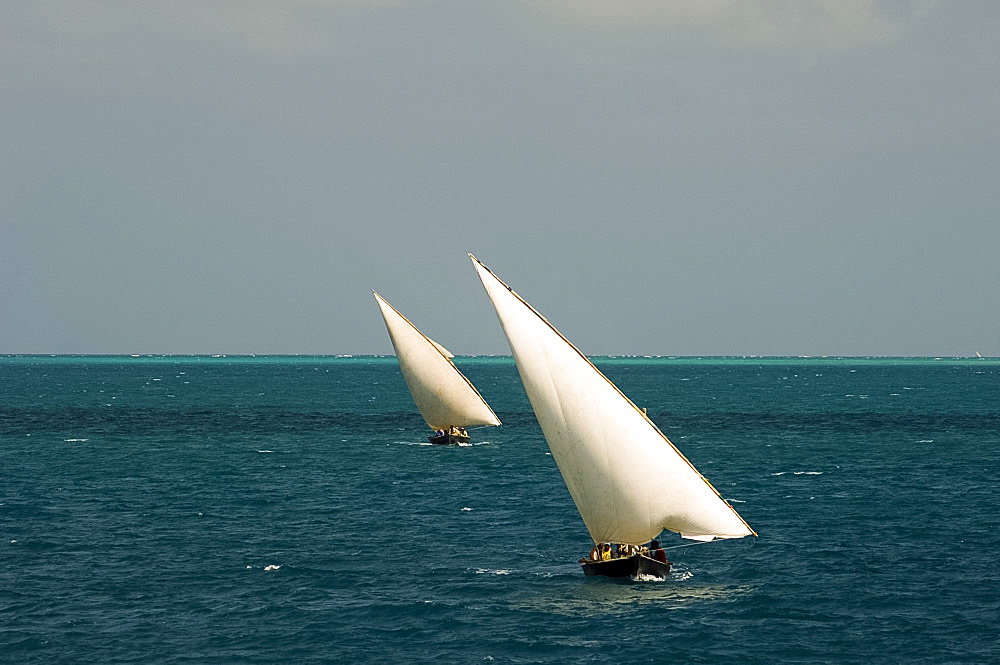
(446, 399)
(627, 479)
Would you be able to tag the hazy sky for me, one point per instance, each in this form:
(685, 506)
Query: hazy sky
(733, 178)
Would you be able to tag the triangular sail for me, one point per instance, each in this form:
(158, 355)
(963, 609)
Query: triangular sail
(443, 395)
(627, 479)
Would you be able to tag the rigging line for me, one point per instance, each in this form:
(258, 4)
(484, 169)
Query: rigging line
(673, 547)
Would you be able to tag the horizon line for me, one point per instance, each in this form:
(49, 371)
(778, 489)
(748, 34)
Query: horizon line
(489, 355)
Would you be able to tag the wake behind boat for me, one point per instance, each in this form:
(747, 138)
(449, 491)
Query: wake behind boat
(628, 481)
(446, 399)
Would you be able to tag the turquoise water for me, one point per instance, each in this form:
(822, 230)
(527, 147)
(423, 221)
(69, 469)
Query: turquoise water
(286, 509)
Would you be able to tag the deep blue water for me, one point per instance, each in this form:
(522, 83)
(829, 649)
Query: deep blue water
(286, 509)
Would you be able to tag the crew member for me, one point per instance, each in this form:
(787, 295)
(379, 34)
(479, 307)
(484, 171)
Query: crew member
(657, 551)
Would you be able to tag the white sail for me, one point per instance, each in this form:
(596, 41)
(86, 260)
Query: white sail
(443, 395)
(627, 480)
(444, 352)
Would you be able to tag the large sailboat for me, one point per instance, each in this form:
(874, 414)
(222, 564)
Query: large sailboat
(446, 399)
(628, 481)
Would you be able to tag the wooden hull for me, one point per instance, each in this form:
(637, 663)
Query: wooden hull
(446, 439)
(633, 566)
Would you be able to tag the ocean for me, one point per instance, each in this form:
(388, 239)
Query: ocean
(166, 509)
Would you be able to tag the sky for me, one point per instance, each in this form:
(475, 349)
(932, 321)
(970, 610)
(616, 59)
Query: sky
(656, 177)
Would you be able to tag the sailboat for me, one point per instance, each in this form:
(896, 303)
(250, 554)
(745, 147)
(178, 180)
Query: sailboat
(446, 399)
(628, 481)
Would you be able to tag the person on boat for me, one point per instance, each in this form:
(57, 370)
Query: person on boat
(605, 551)
(595, 554)
(656, 551)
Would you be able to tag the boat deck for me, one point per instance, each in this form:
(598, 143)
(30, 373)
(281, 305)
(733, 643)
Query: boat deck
(637, 565)
(446, 439)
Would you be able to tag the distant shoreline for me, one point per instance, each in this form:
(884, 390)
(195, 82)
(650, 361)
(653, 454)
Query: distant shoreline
(609, 358)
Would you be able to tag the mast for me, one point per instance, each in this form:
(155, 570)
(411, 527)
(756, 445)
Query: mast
(628, 481)
(443, 395)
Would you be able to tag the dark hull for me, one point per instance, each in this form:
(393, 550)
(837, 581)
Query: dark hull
(636, 565)
(446, 439)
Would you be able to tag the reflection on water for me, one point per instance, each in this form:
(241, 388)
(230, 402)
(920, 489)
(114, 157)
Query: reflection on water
(601, 596)
(471, 444)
